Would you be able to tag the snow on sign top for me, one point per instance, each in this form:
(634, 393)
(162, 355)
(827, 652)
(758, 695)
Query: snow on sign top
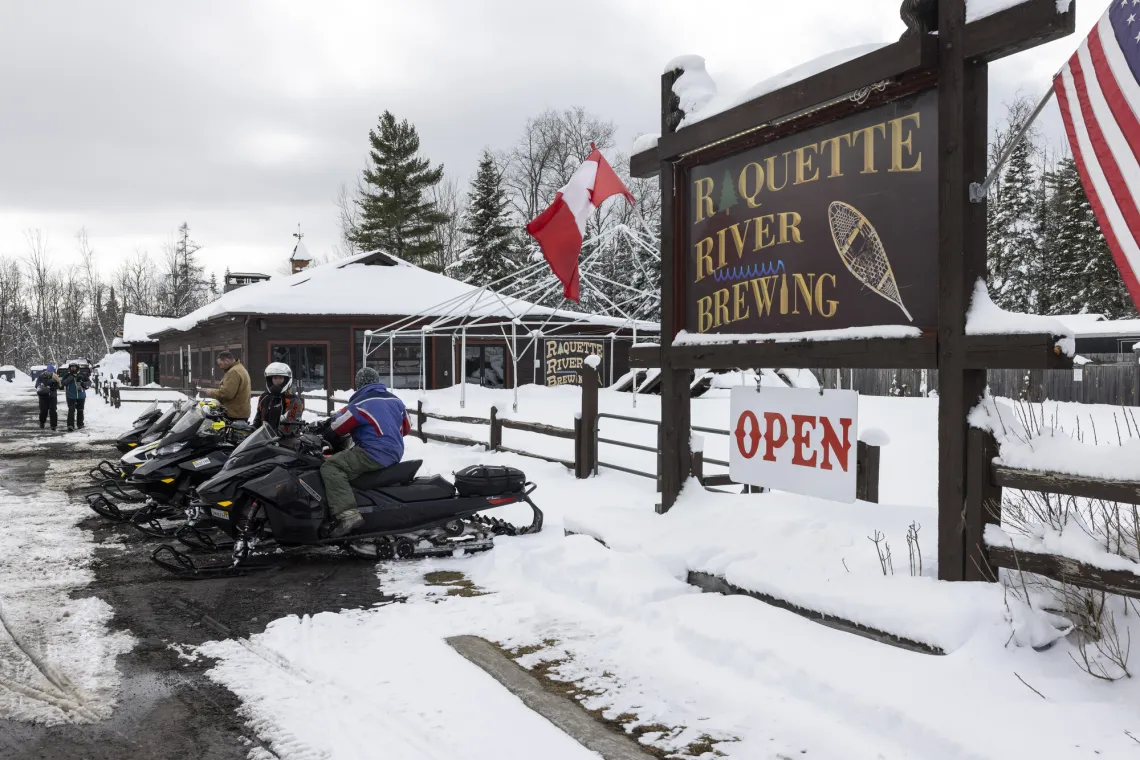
(370, 284)
(698, 92)
(137, 328)
(987, 318)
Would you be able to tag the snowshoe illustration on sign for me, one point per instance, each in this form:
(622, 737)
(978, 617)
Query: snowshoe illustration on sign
(862, 252)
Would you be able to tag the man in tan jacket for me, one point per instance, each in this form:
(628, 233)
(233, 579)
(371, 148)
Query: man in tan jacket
(233, 392)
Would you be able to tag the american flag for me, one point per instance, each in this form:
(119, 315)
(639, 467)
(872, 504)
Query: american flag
(1099, 94)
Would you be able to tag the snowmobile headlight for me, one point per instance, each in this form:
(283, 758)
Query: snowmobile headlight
(172, 448)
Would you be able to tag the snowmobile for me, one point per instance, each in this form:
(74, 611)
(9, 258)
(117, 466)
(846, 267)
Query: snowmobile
(159, 423)
(194, 449)
(270, 499)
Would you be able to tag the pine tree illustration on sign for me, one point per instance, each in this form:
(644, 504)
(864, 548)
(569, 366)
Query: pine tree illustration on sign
(728, 197)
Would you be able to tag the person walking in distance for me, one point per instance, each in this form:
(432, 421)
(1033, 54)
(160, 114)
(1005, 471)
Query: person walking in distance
(75, 387)
(47, 385)
(377, 421)
(233, 392)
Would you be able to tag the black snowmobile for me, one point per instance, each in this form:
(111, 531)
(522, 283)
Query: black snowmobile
(150, 427)
(194, 449)
(268, 497)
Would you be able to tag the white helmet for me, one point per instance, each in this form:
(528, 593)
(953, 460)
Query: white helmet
(278, 369)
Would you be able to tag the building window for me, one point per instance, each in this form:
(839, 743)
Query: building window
(406, 351)
(486, 365)
(308, 361)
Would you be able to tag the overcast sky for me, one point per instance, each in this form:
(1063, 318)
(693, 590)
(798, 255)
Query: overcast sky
(243, 118)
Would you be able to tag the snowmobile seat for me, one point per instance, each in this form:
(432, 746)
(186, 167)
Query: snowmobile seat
(420, 489)
(395, 475)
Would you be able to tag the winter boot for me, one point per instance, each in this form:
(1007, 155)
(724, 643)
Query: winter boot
(346, 522)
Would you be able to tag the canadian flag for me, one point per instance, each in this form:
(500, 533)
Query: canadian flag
(560, 229)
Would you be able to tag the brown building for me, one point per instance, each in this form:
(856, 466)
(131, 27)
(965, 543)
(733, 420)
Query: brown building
(417, 328)
(136, 338)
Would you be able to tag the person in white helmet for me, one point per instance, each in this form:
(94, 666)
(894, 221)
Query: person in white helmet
(280, 406)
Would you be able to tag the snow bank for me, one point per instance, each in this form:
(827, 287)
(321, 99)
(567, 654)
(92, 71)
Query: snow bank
(114, 364)
(686, 338)
(809, 552)
(987, 318)
(1046, 446)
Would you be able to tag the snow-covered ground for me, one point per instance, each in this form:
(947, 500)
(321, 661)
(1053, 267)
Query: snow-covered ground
(648, 650)
(57, 659)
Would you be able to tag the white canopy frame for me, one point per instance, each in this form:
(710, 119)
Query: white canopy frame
(510, 301)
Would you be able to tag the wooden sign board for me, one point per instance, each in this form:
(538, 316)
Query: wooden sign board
(563, 359)
(833, 227)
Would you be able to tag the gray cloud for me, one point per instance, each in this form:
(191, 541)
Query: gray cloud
(243, 118)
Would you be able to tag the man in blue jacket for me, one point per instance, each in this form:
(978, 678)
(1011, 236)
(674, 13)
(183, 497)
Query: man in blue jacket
(377, 421)
(75, 386)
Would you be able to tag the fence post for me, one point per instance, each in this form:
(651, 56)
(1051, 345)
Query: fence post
(867, 472)
(420, 420)
(698, 466)
(496, 439)
(330, 407)
(983, 503)
(580, 444)
(590, 416)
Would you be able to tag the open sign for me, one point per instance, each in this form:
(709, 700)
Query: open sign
(796, 440)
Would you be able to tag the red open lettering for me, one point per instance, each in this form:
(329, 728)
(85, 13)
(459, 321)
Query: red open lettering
(774, 441)
(752, 434)
(831, 443)
(801, 439)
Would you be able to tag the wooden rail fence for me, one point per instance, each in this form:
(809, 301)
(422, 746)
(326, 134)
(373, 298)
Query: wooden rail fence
(990, 558)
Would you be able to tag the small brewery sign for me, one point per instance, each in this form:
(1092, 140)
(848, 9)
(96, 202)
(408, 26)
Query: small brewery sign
(796, 440)
(833, 227)
(564, 359)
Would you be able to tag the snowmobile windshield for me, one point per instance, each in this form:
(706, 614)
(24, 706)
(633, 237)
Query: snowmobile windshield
(189, 421)
(258, 438)
(147, 412)
(163, 422)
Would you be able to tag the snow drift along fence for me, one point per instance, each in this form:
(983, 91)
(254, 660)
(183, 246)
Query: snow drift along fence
(1064, 569)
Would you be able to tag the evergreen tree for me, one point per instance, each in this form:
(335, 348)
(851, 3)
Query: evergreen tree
(1081, 262)
(396, 213)
(490, 241)
(1014, 238)
(184, 287)
(728, 197)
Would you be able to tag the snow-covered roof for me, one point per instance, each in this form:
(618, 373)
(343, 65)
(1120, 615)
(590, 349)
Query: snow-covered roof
(7, 368)
(1078, 322)
(1108, 328)
(137, 328)
(376, 284)
(247, 274)
(301, 253)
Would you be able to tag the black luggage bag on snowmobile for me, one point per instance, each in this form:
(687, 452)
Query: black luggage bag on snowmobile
(489, 480)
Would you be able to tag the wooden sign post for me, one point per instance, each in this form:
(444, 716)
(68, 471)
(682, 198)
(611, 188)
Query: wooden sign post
(842, 201)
